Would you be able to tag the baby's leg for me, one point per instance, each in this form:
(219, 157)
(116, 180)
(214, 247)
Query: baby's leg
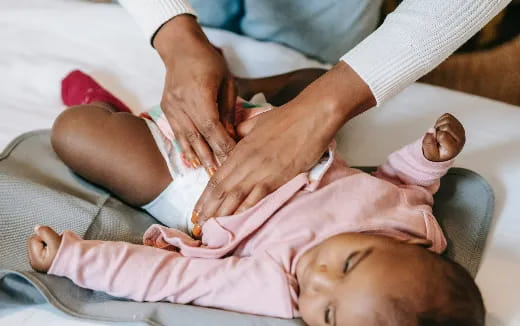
(279, 89)
(114, 150)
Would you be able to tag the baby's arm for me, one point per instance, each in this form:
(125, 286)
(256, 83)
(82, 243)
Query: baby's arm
(145, 273)
(425, 161)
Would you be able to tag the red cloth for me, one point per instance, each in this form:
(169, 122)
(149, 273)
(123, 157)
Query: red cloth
(79, 88)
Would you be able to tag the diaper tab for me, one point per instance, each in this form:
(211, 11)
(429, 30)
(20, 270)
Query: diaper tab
(318, 171)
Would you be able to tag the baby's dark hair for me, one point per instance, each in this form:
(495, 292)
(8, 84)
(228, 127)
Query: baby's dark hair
(458, 302)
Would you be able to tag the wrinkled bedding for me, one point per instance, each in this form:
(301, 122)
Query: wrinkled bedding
(43, 40)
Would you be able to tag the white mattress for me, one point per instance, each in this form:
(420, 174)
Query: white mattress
(40, 41)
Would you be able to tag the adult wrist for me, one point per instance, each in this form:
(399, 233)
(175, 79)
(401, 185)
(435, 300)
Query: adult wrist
(176, 33)
(334, 98)
(349, 94)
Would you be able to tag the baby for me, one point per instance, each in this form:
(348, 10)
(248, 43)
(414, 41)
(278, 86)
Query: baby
(335, 245)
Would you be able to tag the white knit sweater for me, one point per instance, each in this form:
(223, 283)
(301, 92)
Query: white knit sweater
(414, 39)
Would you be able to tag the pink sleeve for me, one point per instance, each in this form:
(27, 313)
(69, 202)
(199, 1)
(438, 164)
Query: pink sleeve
(409, 166)
(145, 273)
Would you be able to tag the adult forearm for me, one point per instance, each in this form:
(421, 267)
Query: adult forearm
(414, 39)
(333, 99)
(178, 30)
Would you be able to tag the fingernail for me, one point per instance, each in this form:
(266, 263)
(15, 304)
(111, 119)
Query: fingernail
(211, 171)
(36, 227)
(195, 163)
(197, 231)
(195, 217)
(185, 161)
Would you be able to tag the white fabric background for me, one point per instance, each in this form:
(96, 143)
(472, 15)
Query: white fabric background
(40, 41)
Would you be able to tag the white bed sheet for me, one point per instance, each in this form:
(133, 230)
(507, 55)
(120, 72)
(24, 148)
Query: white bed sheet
(40, 41)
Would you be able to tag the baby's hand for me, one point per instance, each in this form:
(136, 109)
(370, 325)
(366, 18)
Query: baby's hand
(447, 142)
(43, 247)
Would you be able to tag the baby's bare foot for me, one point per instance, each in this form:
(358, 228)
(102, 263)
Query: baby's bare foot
(42, 248)
(446, 142)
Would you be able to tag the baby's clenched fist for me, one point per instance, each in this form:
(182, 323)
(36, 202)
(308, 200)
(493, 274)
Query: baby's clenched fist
(42, 248)
(446, 142)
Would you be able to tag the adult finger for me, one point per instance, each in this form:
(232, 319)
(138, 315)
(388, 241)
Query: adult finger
(233, 199)
(217, 190)
(214, 132)
(177, 121)
(210, 200)
(226, 105)
(192, 139)
(259, 192)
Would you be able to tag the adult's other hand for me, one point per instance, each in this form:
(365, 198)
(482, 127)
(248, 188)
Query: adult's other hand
(199, 92)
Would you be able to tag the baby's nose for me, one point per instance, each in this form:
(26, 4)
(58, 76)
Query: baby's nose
(322, 279)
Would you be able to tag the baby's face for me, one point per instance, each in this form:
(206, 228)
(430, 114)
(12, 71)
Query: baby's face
(351, 278)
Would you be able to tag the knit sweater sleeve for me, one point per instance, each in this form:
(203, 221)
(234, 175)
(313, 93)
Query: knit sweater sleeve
(415, 38)
(152, 14)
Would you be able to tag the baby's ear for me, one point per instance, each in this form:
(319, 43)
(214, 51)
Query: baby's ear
(419, 242)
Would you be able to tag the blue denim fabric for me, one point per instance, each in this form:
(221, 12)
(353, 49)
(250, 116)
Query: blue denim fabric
(323, 29)
(223, 14)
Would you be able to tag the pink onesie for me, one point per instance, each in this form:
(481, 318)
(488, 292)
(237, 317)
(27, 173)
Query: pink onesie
(246, 262)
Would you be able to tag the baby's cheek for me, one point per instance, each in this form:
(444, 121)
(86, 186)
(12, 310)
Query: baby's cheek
(305, 309)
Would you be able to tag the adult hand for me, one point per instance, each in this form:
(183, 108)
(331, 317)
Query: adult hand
(284, 142)
(199, 92)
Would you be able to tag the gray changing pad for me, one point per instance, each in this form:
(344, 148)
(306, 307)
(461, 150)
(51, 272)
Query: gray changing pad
(37, 188)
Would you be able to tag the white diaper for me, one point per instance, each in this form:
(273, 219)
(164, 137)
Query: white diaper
(174, 206)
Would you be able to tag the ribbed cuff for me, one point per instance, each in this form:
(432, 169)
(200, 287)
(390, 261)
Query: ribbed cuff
(385, 66)
(413, 168)
(63, 259)
(152, 14)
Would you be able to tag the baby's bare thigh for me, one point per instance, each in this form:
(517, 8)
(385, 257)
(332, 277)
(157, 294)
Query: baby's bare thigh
(114, 150)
